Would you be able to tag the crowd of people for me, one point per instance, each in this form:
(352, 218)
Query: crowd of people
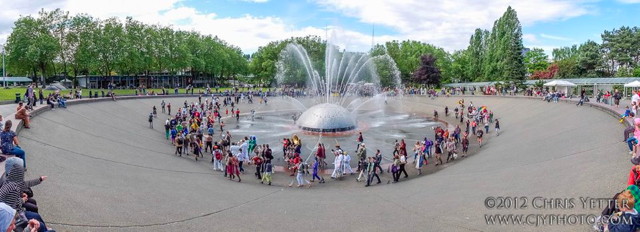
(192, 130)
(621, 214)
(19, 211)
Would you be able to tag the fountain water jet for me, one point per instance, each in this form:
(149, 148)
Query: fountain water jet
(346, 75)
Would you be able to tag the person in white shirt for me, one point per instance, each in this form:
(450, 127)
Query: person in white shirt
(337, 163)
(347, 165)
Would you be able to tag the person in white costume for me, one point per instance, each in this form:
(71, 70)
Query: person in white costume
(337, 163)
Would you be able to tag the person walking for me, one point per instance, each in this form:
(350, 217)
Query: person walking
(616, 98)
(438, 153)
(450, 146)
(167, 129)
(179, 144)
(378, 161)
(337, 163)
(371, 172)
(465, 144)
(347, 165)
(497, 127)
(151, 120)
(403, 162)
(233, 167)
(299, 170)
(257, 160)
(316, 166)
(395, 168)
(266, 175)
(217, 158)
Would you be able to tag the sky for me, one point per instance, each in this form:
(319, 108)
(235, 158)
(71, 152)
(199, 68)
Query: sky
(249, 24)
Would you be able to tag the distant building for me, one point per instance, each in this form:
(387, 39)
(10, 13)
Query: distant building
(153, 80)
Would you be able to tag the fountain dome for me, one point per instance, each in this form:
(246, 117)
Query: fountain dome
(326, 117)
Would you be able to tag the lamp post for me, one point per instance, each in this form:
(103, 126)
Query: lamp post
(4, 76)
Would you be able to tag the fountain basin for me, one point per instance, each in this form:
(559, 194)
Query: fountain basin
(327, 118)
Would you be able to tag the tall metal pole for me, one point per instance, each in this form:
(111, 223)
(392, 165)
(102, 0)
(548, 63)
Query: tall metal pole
(4, 76)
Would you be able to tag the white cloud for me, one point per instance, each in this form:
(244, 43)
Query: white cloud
(247, 32)
(530, 38)
(555, 37)
(450, 23)
(441, 22)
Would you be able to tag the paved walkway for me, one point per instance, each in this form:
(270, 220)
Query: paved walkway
(110, 172)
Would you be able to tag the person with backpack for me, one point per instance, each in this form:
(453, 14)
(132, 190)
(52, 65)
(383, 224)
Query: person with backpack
(479, 134)
(362, 166)
(210, 130)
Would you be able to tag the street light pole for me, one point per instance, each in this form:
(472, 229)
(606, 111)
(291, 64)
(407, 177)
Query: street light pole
(4, 76)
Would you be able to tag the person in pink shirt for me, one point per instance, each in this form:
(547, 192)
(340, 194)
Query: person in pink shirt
(633, 141)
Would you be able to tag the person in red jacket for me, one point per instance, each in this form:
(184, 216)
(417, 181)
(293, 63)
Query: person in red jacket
(634, 175)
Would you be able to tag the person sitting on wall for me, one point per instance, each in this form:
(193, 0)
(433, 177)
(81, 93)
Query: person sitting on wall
(23, 115)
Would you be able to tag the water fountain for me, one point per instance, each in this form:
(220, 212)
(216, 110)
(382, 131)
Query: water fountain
(343, 95)
(348, 78)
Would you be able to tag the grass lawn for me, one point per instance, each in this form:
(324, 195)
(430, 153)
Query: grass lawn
(10, 94)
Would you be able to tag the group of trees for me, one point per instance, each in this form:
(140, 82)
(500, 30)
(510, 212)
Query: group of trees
(618, 55)
(55, 43)
(495, 55)
(263, 62)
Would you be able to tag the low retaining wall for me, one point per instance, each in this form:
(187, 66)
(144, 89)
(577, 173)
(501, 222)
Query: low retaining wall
(605, 108)
(18, 124)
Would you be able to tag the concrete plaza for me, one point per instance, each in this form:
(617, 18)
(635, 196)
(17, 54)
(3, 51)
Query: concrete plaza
(109, 172)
